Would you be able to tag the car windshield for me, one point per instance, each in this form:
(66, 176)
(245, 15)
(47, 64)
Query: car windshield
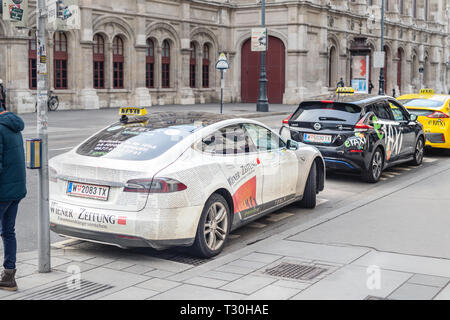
(325, 111)
(145, 139)
(422, 103)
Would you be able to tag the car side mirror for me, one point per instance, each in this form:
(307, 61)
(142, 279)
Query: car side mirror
(292, 145)
(413, 117)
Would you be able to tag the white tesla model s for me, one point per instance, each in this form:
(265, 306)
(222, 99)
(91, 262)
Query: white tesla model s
(178, 179)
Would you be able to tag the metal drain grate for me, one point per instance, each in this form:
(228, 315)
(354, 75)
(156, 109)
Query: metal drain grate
(186, 259)
(295, 271)
(64, 291)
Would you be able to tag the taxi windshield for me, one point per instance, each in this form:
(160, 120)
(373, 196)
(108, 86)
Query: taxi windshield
(422, 103)
(144, 140)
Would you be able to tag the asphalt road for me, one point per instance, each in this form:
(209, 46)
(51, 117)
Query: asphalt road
(68, 128)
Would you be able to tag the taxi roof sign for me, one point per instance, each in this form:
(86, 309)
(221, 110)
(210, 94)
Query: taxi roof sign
(132, 111)
(347, 90)
(426, 91)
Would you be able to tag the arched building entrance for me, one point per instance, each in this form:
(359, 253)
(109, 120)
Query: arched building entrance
(250, 68)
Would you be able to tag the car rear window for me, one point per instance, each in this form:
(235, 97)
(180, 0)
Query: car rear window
(134, 142)
(422, 103)
(323, 112)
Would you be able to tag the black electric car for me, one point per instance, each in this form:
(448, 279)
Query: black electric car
(357, 132)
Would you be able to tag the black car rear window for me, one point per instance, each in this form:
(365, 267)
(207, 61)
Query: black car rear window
(321, 111)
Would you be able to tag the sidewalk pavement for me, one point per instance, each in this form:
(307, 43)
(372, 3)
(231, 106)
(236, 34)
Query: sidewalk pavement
(263, 270)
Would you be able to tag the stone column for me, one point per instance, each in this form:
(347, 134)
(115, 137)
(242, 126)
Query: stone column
(141, 96)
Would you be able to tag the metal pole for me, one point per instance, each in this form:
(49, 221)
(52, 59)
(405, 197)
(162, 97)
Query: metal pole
(263, 103)
(221, 91)
(42, 124)
(381, 85)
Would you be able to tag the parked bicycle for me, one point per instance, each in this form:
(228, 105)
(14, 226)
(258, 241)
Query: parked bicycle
(52, 102)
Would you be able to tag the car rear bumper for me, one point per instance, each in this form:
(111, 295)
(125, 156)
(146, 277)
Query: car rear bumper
(123, 241)
(152, 227)
(341, 160)
(437, 139)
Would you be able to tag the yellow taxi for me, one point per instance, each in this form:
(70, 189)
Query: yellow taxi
(433, 112)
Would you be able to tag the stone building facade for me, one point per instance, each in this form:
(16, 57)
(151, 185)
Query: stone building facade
(156, 52)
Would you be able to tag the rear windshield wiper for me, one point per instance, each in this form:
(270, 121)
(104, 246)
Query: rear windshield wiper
(331, 119)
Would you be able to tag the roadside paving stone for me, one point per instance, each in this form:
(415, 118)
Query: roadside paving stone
(132, 293)
(191, 292)
(262, 257)
(54, 261)
(113, 277)
(159, 285)
(411, 291)
(139, 269)
(24, 256)
(206, 282)
(407, 263)
(273, 292)
(25, 269)
(248, 284)
(100, 261)
(292, 284)
(38, 279)
(76, 257)
(427, 280)
(118, 265)
(254, 265)
(444, 294)
(83, 266)
(222, 275)
(353, 283)
(312, 251)
(235, 269)
(159, 274)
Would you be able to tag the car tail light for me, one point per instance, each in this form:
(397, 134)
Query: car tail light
(286, 121)
(362, 126)
(157, 185)
(438, 114)
(327, 101)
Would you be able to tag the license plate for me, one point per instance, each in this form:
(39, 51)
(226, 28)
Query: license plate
(319, 138)
(90, 191)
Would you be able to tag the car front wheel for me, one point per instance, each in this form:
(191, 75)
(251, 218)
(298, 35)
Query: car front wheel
(213, 227)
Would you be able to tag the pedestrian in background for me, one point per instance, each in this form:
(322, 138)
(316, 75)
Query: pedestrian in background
(341, 83)
(370, 86)
(2, 95)
(12, 190)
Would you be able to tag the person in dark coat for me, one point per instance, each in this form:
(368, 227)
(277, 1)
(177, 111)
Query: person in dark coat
(341, 83)
(370, 86)
(12, 190)
(2, 95)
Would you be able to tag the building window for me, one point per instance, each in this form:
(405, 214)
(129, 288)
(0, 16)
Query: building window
(118, 61)
(150, 64)
(99, 62)
(192, 66)
(426, 10)
(370, 2)
(205, 66)
(414, 8)
(60, 60)
(165, 64)
(401, 7)
(32, 56)
(386, 5)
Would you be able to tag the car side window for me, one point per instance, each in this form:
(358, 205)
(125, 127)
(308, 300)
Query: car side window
(264, 139)
(381, 110)
(228, 140)
(398, 112)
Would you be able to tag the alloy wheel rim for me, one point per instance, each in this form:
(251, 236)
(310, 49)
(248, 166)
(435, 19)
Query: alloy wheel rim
(419, 151)
(216, 226)
(376, 165)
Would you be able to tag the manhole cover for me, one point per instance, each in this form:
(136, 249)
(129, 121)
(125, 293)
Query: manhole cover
(64, 291)
(295, 271)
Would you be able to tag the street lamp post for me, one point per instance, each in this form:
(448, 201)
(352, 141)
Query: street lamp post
(263, 103)
(381, 85)
(42, 125)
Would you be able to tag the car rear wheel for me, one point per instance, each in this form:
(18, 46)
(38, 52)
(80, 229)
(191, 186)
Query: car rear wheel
(213, 227)
(418, 153)
(310, 194)
(375, 169)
